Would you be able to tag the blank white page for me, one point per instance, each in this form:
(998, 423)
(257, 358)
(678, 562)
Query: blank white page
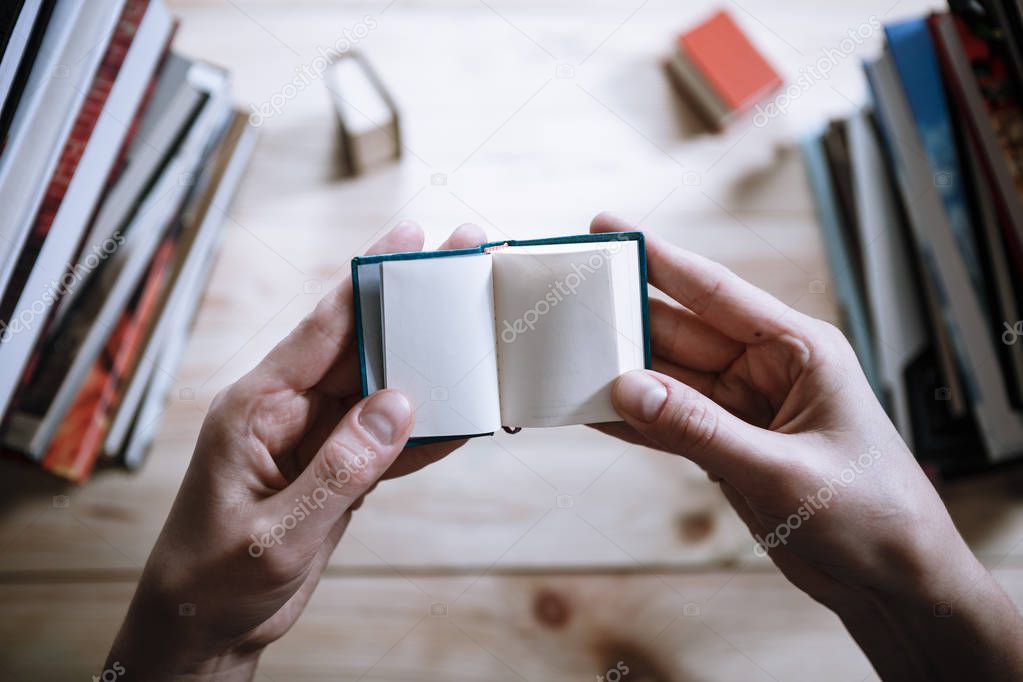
(624, 261)
(559, 343)
(439, 346)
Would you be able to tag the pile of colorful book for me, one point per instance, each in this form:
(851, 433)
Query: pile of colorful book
(118, 161)
(920, 199)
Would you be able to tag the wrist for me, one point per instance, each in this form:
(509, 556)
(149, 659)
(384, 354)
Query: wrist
(948, 619)
(162, 639)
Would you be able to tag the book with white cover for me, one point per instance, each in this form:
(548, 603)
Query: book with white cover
(82, 335)
(513, 334)
(67, 60)
(11, 54)
(156, 371)
(899, 326)
(173, 105)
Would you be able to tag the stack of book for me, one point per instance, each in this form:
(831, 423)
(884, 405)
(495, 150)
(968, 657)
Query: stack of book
(920, 198)
(118, 160)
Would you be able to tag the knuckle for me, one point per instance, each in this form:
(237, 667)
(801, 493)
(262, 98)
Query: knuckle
(706, 298)
(691, 423)
(320, 321)
(346, 463)
(830, 345)
(278, 568)
(831, 336)
(221, 400)
(227, 412)
(235, 407)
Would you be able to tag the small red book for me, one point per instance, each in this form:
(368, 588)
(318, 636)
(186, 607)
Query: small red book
(720, 69)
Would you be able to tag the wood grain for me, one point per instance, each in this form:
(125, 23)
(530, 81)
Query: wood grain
(621, 536)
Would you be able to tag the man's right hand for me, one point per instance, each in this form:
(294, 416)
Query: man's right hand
(773, 405)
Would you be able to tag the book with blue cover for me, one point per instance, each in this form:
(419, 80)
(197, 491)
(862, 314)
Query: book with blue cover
(912, 51)
(957, 302)
(509, 334)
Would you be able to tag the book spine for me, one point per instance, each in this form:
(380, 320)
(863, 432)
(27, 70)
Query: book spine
(74, 147)
(78, 442)
(1001, 104)
(88, 117)
(133, 128)
(916, 62)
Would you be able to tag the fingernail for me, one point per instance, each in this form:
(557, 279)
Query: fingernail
(640, 395)
(385, 416)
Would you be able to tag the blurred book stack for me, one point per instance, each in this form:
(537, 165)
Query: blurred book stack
(118, 161)
(920, 200)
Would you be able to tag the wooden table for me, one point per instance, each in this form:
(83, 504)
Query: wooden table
(543, 555)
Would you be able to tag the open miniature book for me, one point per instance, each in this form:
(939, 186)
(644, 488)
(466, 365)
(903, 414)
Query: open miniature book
(514, 334)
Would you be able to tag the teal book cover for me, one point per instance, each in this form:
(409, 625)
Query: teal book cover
(514, 333)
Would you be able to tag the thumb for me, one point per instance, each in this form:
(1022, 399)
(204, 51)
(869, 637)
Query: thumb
(351, 460)
(682, 420)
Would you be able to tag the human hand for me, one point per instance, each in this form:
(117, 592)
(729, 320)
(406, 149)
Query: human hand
(283, 458)
(773, 405)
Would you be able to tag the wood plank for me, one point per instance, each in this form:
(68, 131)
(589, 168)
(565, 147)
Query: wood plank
(563, 157)
(501, 627)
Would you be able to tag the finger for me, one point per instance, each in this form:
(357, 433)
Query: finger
(701, 381)
(717, 295)
(680, 336)
(305, 356)
(680, 419)
(351, 460)
(420, 457)
(729, 390)
(465, 236)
